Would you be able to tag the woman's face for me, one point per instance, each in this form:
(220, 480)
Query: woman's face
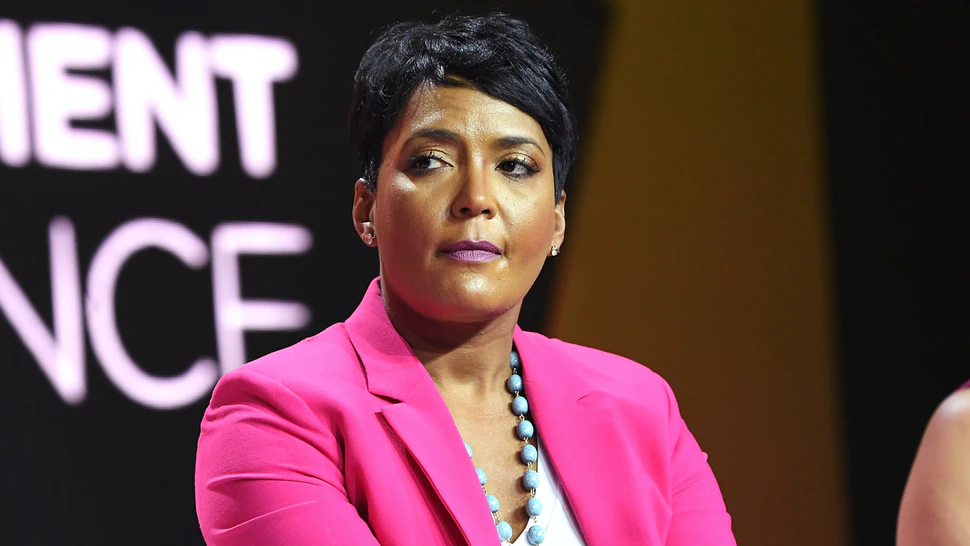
(464, 214)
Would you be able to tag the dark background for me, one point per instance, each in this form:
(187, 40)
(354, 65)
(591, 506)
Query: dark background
(896, 126)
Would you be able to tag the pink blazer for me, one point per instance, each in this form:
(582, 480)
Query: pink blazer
(344, 439)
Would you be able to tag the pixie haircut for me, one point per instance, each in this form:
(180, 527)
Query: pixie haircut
(496, 54)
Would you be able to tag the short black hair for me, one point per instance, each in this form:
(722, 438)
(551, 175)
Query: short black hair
(495, 53)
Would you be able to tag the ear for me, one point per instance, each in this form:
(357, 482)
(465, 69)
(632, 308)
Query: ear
(559, 231)
(365, 201)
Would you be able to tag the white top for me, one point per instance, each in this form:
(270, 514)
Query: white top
(555, 518)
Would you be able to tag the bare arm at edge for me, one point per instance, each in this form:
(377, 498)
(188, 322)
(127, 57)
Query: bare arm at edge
(935, 509)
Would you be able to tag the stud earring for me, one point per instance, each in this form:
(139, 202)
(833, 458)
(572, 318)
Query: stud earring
(555, 250)
(369, 239)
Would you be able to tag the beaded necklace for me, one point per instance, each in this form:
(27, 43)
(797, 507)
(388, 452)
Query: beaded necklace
(529, 455)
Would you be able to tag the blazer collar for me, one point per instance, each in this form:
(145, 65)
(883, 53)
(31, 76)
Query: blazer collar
(390, 367)
(546, 368)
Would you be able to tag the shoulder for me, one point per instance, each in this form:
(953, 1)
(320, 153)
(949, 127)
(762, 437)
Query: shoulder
(949, 427)
(938, 489)
(619, 376)
(323, 363)
(595, 362)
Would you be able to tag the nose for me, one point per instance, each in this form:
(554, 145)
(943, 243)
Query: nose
(475, 195)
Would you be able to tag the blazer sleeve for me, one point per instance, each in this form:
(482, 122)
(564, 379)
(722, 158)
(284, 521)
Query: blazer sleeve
(698, 512)
(268, 471)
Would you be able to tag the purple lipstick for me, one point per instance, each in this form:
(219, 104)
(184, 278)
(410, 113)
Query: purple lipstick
(472, 251)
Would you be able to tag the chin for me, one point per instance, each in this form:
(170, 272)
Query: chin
(475, 298)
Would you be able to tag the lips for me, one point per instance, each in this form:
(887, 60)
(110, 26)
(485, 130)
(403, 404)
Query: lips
(472, 251)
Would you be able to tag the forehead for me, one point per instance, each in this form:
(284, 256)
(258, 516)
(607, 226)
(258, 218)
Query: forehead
(464, 110)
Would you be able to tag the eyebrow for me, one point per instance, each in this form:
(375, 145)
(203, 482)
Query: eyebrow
(434, 134)
(509, 141)
(446, 134)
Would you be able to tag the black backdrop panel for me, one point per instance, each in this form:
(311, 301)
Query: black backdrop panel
(897, 119)
(132, 272)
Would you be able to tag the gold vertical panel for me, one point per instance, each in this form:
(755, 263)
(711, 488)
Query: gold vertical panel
(697, 245)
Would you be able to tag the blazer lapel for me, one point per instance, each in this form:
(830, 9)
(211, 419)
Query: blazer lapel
(419, 417)
(426, 428)
(580, 441)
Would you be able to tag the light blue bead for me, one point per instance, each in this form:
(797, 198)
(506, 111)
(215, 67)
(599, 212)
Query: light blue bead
(529, 454)
(504, 530)
(533, 507)
(520, 406)
(514, 360)
(481, 476)
(514, 383)
(530, 480)
(493, 503)
(524, 429)
(536, 535)
(468, 448)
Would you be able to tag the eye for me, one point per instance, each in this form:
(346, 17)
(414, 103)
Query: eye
(518, 167)
(427, 161)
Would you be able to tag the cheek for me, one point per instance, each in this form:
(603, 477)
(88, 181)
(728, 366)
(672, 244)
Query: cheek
(405, 219)
(532, 225)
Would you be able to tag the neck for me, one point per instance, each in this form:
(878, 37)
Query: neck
(466, 359)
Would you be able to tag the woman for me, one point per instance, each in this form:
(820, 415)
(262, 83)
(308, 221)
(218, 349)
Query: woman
(429, 417)
(935, 510)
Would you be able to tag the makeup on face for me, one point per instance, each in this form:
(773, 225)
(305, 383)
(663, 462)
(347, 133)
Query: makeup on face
(471, 251)
(464, 207)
